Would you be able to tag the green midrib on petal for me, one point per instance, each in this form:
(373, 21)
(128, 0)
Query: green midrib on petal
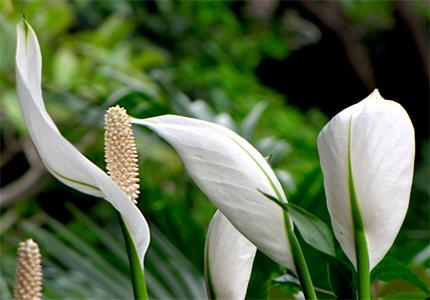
(26, 30)
(272, 184)
(288, 226)
(360, 241)
(74, 181)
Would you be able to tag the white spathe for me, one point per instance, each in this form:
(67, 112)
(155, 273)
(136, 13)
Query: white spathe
(60, 157)
(382, 150)
(229, 257)
(231, 173)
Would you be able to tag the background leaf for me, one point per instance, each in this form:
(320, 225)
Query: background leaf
(390, 268)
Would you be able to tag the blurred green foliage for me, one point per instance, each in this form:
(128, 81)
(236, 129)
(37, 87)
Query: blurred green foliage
(155, 58)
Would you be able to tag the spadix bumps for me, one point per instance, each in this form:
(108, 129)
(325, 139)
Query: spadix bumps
(28, 272)
(120, 151)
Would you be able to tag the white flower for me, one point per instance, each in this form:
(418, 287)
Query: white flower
(367, 153)
(60, 157)
(232, 174)
(228, 260)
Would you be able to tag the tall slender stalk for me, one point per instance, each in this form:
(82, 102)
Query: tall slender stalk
(299, 259)
(122, 165)
(300, 262)
(137, 275)
(363, 271)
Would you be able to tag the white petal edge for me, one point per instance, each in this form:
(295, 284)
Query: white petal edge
(60, 157)
(229, 257)
(382, 158)
(230, 172)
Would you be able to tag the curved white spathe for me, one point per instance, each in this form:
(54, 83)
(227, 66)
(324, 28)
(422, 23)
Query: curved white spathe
(60, 157)
(231, 173)
(382, 150)
(229, 257)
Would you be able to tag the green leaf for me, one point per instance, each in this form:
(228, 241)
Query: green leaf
(91, 253)
(159, 290)
(168, 272)
(390, 269)
(314, 231)
(105, 238)
(174, 261)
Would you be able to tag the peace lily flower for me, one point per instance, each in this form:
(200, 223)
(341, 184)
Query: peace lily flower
(238, 181)
(60, 157)
(231, 173)
(228, 260)
(367, 157)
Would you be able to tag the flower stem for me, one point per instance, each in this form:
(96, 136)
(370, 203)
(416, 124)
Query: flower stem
(137, 274)
(363, 272)
(300, 262)
(298, 257)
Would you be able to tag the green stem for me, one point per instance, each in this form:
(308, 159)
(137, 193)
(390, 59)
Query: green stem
(300, 262)
(137, 275)
(298, 257)
(360, 241)
(363, 272)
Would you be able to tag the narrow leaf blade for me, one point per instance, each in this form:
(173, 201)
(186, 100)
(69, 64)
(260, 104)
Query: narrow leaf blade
(314, 231)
